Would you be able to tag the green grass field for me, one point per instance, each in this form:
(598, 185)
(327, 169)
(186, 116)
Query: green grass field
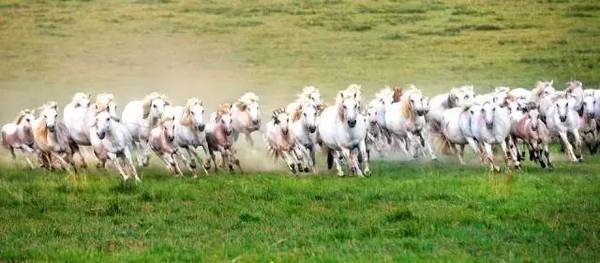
(407, 211)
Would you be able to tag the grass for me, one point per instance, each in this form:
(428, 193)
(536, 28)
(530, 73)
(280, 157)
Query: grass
(405, 211)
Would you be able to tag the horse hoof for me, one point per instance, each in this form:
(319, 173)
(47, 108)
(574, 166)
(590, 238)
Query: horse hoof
(580, 160)
(99, 165)
(306, 170)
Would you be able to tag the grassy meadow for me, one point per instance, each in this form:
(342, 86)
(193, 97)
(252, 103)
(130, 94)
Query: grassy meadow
(215, 50)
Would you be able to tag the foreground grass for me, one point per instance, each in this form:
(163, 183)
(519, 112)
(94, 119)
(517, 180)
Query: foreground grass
(405, 211)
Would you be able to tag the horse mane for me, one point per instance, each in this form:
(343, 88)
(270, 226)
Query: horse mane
(573, 84)
(275, 114)
(307, 91)
(223, 109)
(147, 101)
(501, 89)
(397, 94)
(22, 115)
(40, 131)
(406, 110)
(245, 100)
(186, 118)
(297, 113)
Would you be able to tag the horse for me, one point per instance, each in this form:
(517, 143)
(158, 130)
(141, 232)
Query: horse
(342, 129)
(575, 90)
(279, 140)
(51, 138)
(449, 136)
(409, 123)
(141, 116)
(19, 135)
(563, 119)
(246, 116)
(303, 127)
(529, 128)
(490, 124)
(219, 132)
(589, 125)
(77, 116)
(116, 143)
(162, 143)
(189, 132)
(456, 97)
(543, 95)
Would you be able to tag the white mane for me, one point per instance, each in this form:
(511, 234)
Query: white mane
(248, 98)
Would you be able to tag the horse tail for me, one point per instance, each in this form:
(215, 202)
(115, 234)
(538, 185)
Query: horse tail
(443, 143)
(5, 140)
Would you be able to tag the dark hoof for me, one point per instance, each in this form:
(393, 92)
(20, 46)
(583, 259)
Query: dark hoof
(306, 170)
(543, 165)
(193, 165)
(580, 160)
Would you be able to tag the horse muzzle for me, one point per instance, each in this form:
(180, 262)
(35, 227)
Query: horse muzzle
(201, 127)
(51, 128)
(312, 129)
(101, 135)
(228, 132)
(256, 123)
(563, 118)
(171, 138)
(352, 123)
(489, 125)
(420, 113)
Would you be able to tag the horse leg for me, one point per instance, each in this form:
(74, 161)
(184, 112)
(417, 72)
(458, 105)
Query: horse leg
(249, 139)
(289, 161)
(363, 149)
(115, 159)
(64, 164)
(175, 163)
(129, 159)
(578, 144)
(12, 152)
(313, 159)
(145, 153)
(191, 163)
(194, 154)
(567, 145)
(476, 148)
(338, 165)
(490, 157)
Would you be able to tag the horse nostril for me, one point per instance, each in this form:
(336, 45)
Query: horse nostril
(312, 129)
(352, 123)
(255, 122)
(201, 127)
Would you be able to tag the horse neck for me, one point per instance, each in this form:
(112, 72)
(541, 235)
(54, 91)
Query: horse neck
(26, 133)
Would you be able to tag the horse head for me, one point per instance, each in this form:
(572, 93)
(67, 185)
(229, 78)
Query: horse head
(49, 114)
(281, 119)
(588, 107)
(103, 120)
(194, 114)
(309, 116)
(418, 103)
(348, 108)
(562, 108)
(488, 112)
(223, 118)
(168, 125)
(534, 116)
(25, 118)
(154, 105)
(249, 103)
(107, 101)
(81, 99)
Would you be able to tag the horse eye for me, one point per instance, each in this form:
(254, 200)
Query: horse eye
(154, 105)
(191, 112)
(344, 106)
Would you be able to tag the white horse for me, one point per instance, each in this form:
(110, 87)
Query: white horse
(589, 125)
(141, 116)
(490, 124)
(116, 143)
(562, 119)
(528, 127)
(279, 140)
(51, 138)
(246, 116)
(219, 138)
(303, 126)
(543, 95)
(342, 129)
(575, 90)
(456, 97)
(450, 137)
(19, 135)
(77, 117)
(189, 132)
(162, 142)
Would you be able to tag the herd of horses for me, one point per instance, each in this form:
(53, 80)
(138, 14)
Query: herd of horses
(396, 120)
